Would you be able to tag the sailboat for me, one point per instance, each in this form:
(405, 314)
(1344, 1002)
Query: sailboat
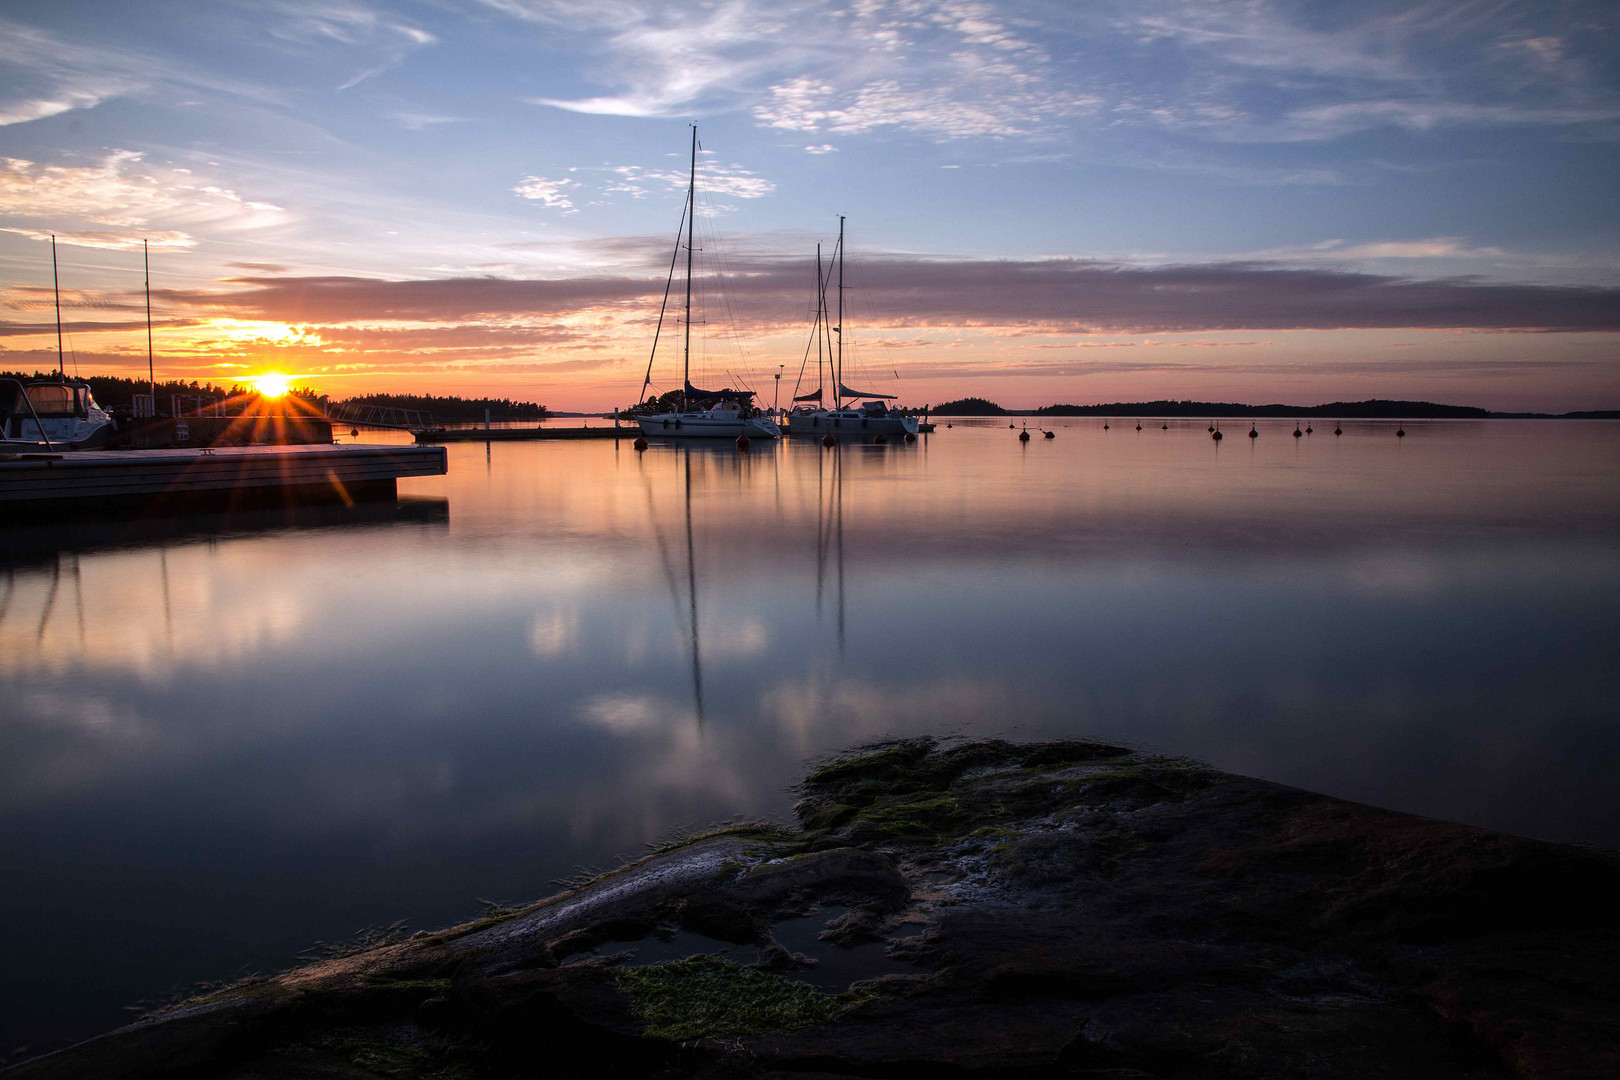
(704, 414)
(59, 412)
(871, 416)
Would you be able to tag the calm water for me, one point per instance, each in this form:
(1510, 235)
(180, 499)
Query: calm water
(224, 741)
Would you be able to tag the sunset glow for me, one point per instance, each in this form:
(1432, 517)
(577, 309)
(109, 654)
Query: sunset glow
(1224, 202)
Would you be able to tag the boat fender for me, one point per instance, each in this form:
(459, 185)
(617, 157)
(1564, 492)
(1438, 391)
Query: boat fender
(863, 421)
(677, 425)
(910, 437)
(666, 425)
(879, 439)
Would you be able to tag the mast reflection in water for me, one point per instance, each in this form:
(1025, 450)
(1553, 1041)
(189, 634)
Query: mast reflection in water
(257, 738)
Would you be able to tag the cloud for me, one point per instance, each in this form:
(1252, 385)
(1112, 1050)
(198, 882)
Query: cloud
(714, 179)
(1065, 295)
(547, 193)
(42, 75)
(1438, 247)
(1269, 72)
(112, 241)
(356, 26)
(941, 68)
(416, 121)
(124, 192)
(1221, 72)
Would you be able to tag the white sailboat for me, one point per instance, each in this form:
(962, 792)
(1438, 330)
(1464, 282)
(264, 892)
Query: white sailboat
(855, 412)
(704, 414)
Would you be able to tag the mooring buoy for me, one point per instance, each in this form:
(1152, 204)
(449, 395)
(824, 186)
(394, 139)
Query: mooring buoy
(640, 443)
(828, 440)
(742, 442)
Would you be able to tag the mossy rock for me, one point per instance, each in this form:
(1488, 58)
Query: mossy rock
(713, 997)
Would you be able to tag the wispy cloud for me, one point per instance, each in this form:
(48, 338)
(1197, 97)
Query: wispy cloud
(941, 68)
(727, 180)
(44, 75)
(162, 204)
(1248, 71)
(548, 193)
(387, 40)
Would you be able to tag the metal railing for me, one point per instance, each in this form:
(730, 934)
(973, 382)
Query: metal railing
(389, 416)
(22, 395)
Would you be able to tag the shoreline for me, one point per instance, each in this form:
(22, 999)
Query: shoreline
(991, 907)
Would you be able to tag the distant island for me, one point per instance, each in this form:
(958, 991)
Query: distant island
(1371, 409)
(451, 407)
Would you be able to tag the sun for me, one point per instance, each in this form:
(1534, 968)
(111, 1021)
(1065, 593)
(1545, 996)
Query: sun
(271, 384)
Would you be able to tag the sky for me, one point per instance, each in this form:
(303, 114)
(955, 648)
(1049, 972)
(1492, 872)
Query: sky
(1045, 202)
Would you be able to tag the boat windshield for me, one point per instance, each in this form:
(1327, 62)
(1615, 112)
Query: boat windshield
(54, 399)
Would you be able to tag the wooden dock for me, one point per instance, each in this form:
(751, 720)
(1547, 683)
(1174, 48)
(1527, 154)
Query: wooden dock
(82, 477)
(511, 434)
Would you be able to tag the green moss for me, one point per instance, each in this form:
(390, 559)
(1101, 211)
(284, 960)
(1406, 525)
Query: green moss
(816, 813)
(713, 997)
(934, 815)
(890, 759)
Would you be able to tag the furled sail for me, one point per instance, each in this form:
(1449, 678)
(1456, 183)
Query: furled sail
(694, 392)
(847, 392)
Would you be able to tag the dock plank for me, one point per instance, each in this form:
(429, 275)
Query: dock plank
(133, 473)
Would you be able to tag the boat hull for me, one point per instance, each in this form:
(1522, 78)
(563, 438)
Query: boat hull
(705, 426)
(848, 425)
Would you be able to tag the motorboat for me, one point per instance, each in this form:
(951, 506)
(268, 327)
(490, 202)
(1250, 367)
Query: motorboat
(59, 411)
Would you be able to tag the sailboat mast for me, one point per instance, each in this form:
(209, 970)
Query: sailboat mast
(56, 284)
(151, 379)
(691, 212)
(821, 327)
(838, 376)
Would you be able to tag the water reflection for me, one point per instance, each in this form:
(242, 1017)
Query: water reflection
(260, 737)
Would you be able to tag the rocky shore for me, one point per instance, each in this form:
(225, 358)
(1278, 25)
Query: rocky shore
(980, 909)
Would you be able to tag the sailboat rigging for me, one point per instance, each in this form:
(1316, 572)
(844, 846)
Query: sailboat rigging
(703, 414)
(871, 416)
